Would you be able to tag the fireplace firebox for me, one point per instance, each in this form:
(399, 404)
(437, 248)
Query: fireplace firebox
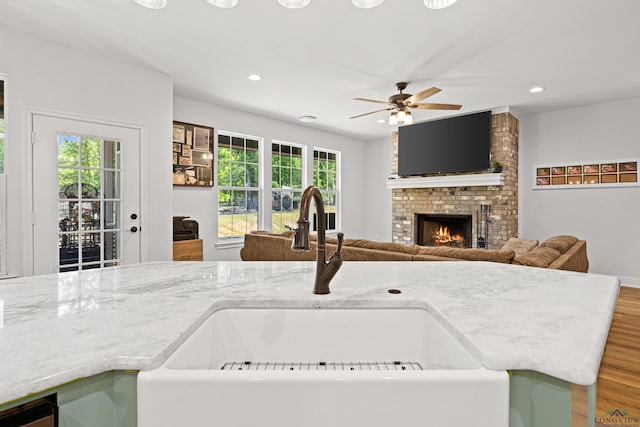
(444, 230)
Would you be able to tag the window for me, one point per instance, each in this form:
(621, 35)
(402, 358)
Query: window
(3, 185)
(238, 185)
(1, 125)
(287, 174)
(325, 178)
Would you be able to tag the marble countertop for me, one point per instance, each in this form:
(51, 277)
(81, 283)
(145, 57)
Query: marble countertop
(60, 327)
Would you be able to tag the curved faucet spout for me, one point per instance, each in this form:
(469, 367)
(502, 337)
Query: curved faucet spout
(301, 242)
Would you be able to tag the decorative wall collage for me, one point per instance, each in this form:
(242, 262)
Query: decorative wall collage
(579, 174)
(192, 155)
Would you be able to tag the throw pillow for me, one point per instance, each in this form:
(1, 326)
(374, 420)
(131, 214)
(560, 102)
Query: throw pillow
(560, 243)
(538, 257)
(519, 246)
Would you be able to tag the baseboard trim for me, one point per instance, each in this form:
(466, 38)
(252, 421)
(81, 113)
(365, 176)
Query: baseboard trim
(633, 282)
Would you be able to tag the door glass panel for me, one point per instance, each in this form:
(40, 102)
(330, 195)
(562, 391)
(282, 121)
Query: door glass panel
(111, 154)
(111, 188)
(90, 183)
(90, 152)
(85, 211)
(68, 148)
(90, 247)
(68, 190)
(111, 245)
(111, 218)
(91, 215)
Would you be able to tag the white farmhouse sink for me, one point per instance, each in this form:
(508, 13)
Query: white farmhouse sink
(322, 367)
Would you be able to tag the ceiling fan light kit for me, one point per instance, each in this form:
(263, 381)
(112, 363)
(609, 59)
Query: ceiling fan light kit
(152, 4)
(400, 118)
(297, 4)
(439, 4)
(294, 4)
(405, 119)
(366, 4)
(401, 102)
(223, 3)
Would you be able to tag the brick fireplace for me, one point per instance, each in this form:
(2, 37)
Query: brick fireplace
(492, 210)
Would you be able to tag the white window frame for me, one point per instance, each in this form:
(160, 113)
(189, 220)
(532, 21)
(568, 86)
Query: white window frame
(239, 241)
(303, 172)
(337, 191)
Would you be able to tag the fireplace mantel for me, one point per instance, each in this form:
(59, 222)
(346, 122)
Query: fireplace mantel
(472, 180)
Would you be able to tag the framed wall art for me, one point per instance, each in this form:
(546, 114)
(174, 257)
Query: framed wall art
(192, 155)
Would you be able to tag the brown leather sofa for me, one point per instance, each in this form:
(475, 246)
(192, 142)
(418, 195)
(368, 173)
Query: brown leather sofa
(559, 252)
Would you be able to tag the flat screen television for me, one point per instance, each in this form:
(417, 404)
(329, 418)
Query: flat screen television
(454, 144)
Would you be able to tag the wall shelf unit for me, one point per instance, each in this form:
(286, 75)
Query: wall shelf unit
(598, 174)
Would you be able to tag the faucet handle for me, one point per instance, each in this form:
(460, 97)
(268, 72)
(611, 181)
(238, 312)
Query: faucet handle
(340, 240)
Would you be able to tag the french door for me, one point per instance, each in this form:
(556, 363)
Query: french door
(86, 195)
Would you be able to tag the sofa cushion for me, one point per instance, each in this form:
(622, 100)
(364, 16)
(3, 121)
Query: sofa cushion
(263, 247)
(350, 253)
(560, 243)
(469, 254)
(419, 257)
(519, 246)
(382, 246)
(541, 256)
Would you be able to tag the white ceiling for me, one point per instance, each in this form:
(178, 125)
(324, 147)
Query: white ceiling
(314, 61)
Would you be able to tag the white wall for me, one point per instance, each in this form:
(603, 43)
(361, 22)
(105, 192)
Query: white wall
(378, 198)
(607, 218)
(200, 203)
(46, 76)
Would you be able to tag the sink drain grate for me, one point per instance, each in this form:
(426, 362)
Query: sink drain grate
(322, 366)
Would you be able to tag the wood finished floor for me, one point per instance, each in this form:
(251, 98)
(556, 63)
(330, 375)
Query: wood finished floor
(618, 384)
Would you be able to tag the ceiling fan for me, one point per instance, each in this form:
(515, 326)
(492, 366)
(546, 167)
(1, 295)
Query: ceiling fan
(401, 102)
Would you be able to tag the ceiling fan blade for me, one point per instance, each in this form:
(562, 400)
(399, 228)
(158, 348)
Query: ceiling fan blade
(372, 112)
(371, 100)
(436, 106)
(421, 95)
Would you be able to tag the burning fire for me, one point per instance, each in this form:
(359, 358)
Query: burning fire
(442, 236)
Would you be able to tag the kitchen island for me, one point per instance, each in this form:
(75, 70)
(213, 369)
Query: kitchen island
(58, 328)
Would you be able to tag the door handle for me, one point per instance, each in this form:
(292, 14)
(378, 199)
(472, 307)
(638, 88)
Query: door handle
(133, 229)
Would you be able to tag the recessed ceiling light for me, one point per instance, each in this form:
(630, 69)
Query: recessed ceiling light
(152, 4)
(381, 121)
(223, 3)
(536, 89)
(254, 77)
(439, 4)
(307, 119)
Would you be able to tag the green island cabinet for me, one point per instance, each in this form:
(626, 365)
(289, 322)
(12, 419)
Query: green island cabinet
(109, 400)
